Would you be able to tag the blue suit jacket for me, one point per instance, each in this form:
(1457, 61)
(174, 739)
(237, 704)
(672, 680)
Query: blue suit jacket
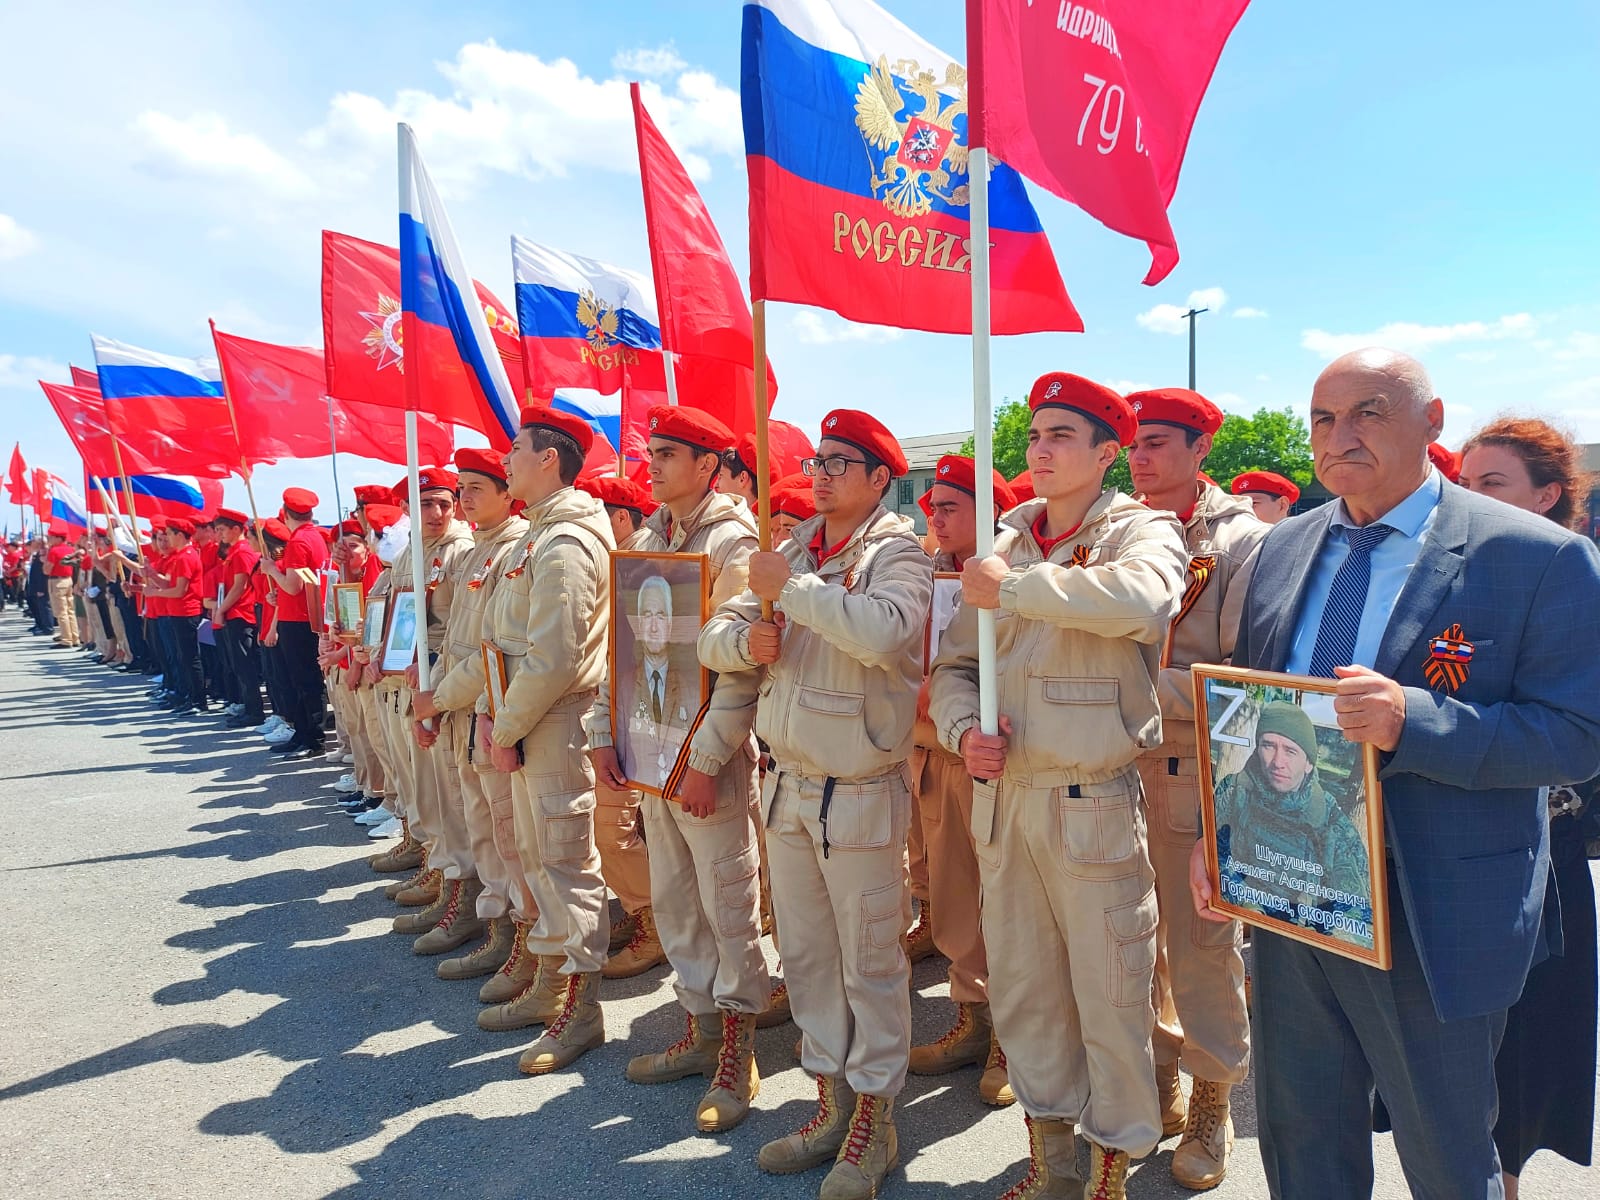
(1462, 810)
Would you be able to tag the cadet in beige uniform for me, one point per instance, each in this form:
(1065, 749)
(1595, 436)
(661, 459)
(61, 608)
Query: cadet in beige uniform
(503, 906)
(624, 858)
(837, 698)
(1084, 583)
(943, 792)
(1199, 989)
(549, 618)
(703, 856)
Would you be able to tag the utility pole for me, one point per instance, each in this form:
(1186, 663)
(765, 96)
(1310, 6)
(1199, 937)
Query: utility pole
(1190, 316)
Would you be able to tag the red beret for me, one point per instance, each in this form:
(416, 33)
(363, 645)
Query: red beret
(328, 532)
(1204, 478)
(791, 496)
(60, 529)
(1264, 481)
(299, 499)
(231, 515)
(351, 528)
(400, 493)
(1176, 406)
(381, 516)
(962, 474)
(691, 426)
(746, 450)
(181, 525)
(542, 416)
(1022, 487)
(484, 462)
(437, 479)
(867, 434)
(1448, 461)
(620, 492)
(157, 523)
(1094, 400)
(372, 493)
(275, 528)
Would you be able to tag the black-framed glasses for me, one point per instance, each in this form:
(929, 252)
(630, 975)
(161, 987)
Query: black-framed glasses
(833, 466)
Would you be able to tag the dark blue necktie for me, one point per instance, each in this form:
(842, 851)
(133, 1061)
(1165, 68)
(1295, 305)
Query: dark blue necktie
(1347, 596)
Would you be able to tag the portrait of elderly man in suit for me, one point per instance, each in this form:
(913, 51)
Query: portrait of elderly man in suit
(1463, 639)
(666, 689)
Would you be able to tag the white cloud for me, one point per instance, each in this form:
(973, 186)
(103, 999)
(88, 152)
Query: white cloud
(1477, 356)
(1414, 338)
(204, 145)
(1580, 345)
(1169, 318)
(814, 329)
(15, 241)
(649, 61)
(1247, 313)
(25, 371)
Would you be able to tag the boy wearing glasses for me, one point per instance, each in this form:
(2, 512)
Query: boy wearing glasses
(1083, 584)
(833, 676)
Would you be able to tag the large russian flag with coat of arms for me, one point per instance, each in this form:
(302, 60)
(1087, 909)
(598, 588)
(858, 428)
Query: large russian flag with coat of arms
(855, 134)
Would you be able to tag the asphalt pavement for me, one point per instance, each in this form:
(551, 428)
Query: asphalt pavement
(201, 998)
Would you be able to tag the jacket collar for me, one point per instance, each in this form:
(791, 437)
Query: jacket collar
(879, 525)
(714, 509)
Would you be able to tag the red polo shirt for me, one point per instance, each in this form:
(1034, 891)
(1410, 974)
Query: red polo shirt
(58, 568)
(185, 564)
(242, 559)
(308, 549)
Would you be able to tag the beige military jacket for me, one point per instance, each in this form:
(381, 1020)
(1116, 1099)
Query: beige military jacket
(551, 610)
(462, 661)
(1221, 535)
(1079, 638)
(841, 698)
(925, 735)
(720, 528)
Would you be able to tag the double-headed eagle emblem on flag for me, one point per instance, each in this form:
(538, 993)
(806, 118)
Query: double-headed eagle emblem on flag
(913, 160)
(599, 318)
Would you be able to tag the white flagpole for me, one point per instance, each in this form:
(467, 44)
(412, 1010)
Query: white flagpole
(983, 430)
(670, 361)
(419, 570)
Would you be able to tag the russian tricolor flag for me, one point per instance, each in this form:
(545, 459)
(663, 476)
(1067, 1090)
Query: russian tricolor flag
(129, 372)
(65, 503)
(585, 323)
(453, 365)
(855, 135)
(164, 495)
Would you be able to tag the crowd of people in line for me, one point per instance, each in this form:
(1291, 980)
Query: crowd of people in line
(837, 793)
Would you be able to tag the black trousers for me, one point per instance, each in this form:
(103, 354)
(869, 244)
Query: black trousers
(297, 643)
(238, 640)
(131, 622)
(187, 680)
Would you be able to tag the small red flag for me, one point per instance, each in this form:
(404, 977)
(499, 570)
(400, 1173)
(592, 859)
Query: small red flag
(1095, 102)
(86, 379)
(83, 415)
(18, 489)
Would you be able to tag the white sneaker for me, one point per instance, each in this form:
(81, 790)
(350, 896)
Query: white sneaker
(389, 829)
(271, 725)
(374, 816)
(348, 760)
(232, 710)
(278, 736)
(347, 784)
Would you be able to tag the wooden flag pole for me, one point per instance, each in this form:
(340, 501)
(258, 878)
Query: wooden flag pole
(758, 328)
(127, 490)
(244, 463)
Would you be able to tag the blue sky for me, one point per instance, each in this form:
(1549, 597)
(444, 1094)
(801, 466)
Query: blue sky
(1420, 175)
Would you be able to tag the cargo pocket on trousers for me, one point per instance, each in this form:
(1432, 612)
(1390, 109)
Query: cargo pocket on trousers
(860, 816)
(1131, 951)
(738, 892)
(878, 951)
(567, 821)
(985, 797)
(1099, 827)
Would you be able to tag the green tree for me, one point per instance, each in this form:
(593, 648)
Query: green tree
(1271, 440)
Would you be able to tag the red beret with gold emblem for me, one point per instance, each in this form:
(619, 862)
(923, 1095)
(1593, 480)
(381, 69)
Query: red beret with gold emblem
(299, 499)
(867, 434)
(437, 479)
(484, 462)
(961, 473)
(1264, 481)
(691, 426)
(542, 416)
(1176, 406)
(1100, 404)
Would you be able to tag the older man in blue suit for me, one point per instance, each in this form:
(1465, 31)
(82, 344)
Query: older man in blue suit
(1360, 590)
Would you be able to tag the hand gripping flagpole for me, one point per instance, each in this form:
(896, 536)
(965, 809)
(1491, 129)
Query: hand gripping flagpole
(758, 323)
(982, 404)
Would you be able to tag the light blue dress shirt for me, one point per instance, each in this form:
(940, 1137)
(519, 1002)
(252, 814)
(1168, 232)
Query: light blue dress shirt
(1392, 561)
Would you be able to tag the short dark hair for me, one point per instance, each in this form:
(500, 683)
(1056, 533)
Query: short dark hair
(635, 515)
(569, 458)
(296, 516)
(872, 464)
(1100, 433)
(734, 464)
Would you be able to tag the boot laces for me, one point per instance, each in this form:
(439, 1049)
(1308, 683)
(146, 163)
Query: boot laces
(484, 948)
(961, 1030)
(1205, 1113)
(780, 991)
(825, 1112)
(684, 1044)
(641, 934)
(452, 908)
(727, 1076)
(569, 1006)
(1035, 1156)
(863, 1130)
(1108, 1176)
(510, 968)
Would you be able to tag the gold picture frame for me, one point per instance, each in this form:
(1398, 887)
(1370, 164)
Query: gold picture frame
(406, 621)
(375, 622)
(495, 680)
(349, 606)
(1294, 840)
(659, 604)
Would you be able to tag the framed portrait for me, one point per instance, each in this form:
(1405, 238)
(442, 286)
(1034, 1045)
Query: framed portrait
(494, 677)
(946, 598)
(327, 582)
(659, 691)
(400, 644)
(373, 622)
(1292, 812)
(348, 607)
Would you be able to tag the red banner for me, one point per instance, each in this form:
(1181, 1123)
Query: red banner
(18, 489)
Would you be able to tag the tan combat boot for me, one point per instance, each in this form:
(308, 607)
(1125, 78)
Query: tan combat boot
(421, 920)
(778, 1011)
(536, 1004)
(1201, 1159)
(577, 1029)
(459, 924)
(919, 938)
(392, 890)
(622, 932)
(965, 1044)
(408, 853)
(819, 1139)
(515, 974)
(1174, 1108)
(642, 952)
(487, 957)
(871, 1150)
(995, 1086)
(424, 892)
(1108, 1173)
(695, 1053)
(736, 1081)
(1052, 1163)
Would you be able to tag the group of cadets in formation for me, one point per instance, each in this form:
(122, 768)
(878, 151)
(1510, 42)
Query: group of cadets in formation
(826, 750)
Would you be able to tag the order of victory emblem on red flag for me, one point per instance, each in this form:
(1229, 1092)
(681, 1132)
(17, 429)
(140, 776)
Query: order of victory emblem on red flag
(385, 340)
